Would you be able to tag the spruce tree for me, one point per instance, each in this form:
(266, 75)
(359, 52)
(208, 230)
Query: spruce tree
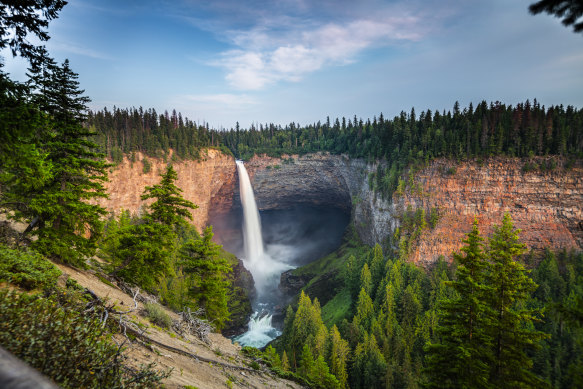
(206, 271)
(65, 221)
(169, 207)
(460, 359)
(510, 322)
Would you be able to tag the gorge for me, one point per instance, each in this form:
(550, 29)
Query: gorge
(317, 195)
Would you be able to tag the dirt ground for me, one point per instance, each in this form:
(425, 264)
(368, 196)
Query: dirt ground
(194, 363)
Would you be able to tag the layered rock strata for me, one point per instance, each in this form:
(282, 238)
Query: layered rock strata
(546, 205)
(208, 183)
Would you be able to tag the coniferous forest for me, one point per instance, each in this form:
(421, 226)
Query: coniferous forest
(498, 316)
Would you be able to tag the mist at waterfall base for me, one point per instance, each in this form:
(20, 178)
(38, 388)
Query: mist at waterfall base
(294, 237)
(291, 238)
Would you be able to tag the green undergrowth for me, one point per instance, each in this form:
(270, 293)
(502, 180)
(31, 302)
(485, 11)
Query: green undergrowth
(327, 282)
(337, 309)
(26, 269)
(351, 245)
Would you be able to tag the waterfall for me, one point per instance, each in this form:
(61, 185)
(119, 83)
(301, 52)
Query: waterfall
(252, 225)
(263, 267)
(265, 270)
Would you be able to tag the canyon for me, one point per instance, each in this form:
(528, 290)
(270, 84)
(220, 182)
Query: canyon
(547, 205)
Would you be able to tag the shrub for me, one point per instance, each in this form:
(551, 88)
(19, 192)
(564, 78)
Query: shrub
(157, 315)
(70, 348)
(28, 270)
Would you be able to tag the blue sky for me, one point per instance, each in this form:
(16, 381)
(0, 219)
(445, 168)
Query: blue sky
(280, 61)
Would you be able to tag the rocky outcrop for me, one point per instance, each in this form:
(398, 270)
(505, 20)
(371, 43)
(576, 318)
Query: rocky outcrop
(291, 284)
(546, 205)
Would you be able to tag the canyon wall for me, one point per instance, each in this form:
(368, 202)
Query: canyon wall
(546, 205)
(322, 179)
(203, 182)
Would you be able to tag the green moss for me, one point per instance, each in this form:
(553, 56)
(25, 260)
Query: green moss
(337, 309)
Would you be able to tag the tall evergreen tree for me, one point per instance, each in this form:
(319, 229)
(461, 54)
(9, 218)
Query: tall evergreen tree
(510, 322)
(206, 271)
(460, 359)
(169, 207)
(65, 221)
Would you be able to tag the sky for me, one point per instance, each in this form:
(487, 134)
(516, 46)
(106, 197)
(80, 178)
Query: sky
(280, 61)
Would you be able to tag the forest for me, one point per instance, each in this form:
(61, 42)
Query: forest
(496, 317)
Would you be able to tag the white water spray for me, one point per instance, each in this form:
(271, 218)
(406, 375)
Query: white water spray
(264, 268)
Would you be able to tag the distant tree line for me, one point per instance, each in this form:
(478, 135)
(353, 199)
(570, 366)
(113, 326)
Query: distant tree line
(123, 131)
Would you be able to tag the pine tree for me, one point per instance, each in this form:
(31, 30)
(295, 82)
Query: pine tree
(24, 167)
(460, 359)
(206, 270)
(66, 223)
(339, 353)
(366, 279)
(510, 323)
(169, 207)
(285, 366)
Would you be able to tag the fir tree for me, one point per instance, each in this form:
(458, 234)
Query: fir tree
(206, 270)
(169, 207)
(460, 359)
(66, 222)
(510, 322)
(339, 353)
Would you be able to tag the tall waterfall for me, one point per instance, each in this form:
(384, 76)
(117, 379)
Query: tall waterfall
(252, 227)
(263, 267)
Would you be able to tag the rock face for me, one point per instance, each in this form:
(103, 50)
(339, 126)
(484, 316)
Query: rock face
(322, 179)
(546, 205)
(203, 182)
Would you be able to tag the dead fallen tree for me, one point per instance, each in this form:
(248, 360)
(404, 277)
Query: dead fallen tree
(190, 323)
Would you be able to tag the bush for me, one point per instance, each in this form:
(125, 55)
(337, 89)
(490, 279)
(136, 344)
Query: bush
(157, 315)
(28, 270)
(70, 348)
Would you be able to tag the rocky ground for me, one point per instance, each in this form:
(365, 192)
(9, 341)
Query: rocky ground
(218, 364)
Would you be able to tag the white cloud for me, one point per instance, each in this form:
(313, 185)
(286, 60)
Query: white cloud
(266, 55)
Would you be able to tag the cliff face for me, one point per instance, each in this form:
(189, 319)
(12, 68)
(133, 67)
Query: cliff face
(546, 205)
(203, 182)
(322, 179)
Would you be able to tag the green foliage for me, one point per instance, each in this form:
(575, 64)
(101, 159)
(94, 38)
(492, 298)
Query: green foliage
(462, 355)
(169, 207)
(486, 330)
(157, 315)
(21, 20)
(142, 253)
(146, 164)
(206, 271)
(65, 221)
(26, 269)
(68, 347)
(510, 323)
